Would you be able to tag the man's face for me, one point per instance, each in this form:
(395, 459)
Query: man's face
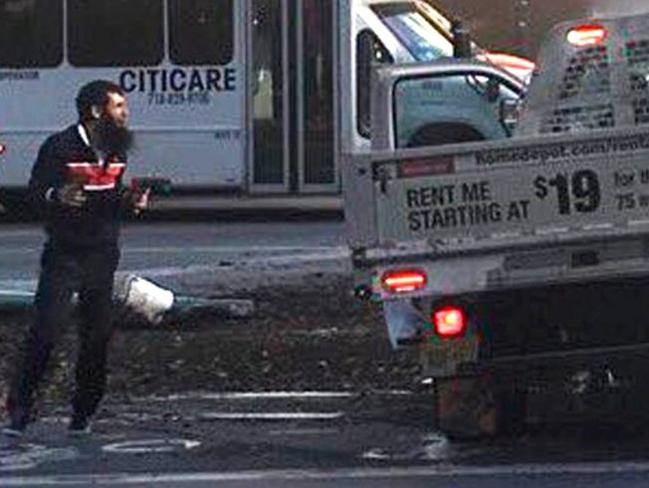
(109, 133)
(116, 109)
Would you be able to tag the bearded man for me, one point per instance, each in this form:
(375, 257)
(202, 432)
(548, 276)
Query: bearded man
(76, 183)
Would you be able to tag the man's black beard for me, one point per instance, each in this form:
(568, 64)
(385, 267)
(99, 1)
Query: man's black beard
(110, 138)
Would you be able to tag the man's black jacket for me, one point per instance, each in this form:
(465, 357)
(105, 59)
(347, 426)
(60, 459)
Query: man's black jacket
(64, 158)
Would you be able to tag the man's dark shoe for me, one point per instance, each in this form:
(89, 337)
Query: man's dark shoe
(79, 426)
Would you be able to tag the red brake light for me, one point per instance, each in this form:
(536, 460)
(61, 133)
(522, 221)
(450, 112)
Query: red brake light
(587, 35)
(404, 280)
(449, 322)
(3, 148)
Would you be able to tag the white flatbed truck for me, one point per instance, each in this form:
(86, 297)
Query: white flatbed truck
(502, 262)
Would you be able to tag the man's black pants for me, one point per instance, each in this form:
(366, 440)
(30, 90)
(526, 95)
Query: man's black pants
(64, 271)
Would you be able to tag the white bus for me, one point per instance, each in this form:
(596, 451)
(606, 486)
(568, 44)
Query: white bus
(243, 95)
(182, 63)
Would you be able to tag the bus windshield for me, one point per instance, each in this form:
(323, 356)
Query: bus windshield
(422, 30)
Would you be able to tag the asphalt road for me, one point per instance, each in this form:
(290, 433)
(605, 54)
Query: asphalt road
(171, 249)
(306, 440)
(303, 439)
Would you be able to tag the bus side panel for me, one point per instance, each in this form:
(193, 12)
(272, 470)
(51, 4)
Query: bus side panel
(189, 121)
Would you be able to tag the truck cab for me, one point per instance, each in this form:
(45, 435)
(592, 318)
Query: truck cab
(379, 33)
(442, 102)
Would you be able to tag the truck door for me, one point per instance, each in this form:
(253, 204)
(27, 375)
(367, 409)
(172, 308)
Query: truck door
(458, 105)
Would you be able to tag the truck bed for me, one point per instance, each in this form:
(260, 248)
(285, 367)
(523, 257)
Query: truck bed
(521, 212)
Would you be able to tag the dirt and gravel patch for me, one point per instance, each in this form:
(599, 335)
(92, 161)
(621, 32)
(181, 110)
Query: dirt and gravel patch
(315, 337)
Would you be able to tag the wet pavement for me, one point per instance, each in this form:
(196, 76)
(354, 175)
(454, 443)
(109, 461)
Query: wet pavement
(203, 400)
(192, 257)
(308, 439)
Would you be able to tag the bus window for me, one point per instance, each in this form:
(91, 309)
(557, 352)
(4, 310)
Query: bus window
(31, 33)
(201, 32)
(115, 32)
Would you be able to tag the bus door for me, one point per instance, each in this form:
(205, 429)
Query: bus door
(314, 96)
(292, 96)
(269, 163)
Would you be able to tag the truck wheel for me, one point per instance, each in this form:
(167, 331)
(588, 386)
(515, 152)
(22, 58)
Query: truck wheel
(466, 407)
(435, 135)
(472, 407)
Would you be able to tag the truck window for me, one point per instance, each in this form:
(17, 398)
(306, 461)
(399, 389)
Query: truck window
(115, 32)
(431, 110)
(370, 51)
(417, 30)
(201, 32)
(31, 33)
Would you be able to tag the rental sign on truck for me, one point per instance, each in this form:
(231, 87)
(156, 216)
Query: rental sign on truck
(567, 184)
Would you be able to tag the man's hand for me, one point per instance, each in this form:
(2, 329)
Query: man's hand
(71, 195)
(141, 201)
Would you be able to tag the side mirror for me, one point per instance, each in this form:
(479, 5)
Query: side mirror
(510, 109)
(461, 40)
(493, 90)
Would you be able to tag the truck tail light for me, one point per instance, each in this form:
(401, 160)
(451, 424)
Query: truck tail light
(3, 149)
(587, 35)
(403, 280)
(449, 322)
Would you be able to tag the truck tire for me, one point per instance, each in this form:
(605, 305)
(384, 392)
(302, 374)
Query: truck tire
(475, 406)
(465, 407)
(438, 134)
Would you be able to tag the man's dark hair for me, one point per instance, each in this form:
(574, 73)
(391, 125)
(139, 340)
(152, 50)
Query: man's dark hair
(95, 93)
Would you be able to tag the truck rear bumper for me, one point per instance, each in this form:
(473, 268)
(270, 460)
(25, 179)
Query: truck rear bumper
(572, 325)
(567, 357)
